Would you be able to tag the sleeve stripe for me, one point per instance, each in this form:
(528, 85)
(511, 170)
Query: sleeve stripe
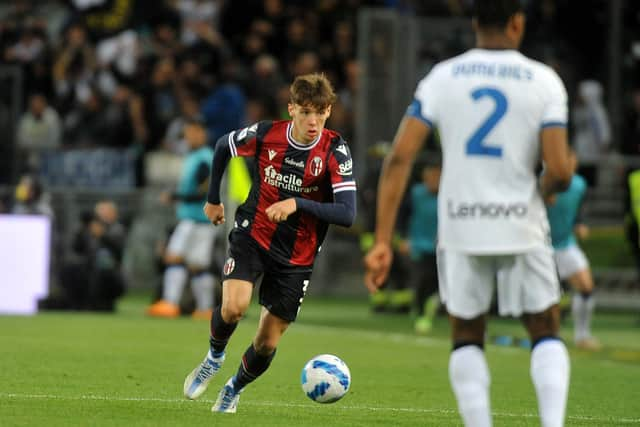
(339, 190)
(344, 184)
(415, 110)
(232, 145)
(553, 125)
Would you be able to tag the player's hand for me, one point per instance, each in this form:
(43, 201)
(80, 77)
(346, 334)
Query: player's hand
(582, 231)
(165, 198)
(377, 263)
(215, 213)
(281, 210)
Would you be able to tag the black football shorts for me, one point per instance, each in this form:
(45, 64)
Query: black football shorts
(283, 286)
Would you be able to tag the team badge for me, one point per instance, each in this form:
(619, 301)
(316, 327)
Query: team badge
(229, 265)
(316, 166)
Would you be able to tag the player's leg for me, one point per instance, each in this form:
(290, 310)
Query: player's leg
(573, 267)
(549, 365)
(236, 296)
(529, 288)
(425, 284)
(175, 274)
(198, 258)
(466, 285)
(255, 361)
(240, 272)
(281, 294)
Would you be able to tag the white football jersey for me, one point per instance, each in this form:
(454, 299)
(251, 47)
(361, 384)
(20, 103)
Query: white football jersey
(489, 107)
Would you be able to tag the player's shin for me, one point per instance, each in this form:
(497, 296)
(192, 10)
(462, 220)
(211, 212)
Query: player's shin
(470, 380)
(550, 374)
(221, 331)
(252, 366)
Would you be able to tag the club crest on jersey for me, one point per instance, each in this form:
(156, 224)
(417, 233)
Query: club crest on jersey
(272, 154)
(316, 166)
(229, 265)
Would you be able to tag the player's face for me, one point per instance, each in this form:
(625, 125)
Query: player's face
(308, 121)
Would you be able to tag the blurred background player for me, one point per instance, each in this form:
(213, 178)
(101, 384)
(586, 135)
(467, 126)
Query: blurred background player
(492, 222)
(304, 182)
(421, 246)
(190, 249)
(563, 210)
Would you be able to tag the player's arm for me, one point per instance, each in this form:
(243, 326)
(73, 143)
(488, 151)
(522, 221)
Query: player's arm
(342, 211)
(394, 177)
(557, 173)
(395, 173)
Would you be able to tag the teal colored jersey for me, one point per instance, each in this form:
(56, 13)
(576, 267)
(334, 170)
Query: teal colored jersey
(563, 214)
(423, 223)
(190, 205)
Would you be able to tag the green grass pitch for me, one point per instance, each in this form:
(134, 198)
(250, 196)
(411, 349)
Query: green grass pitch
(81, 369)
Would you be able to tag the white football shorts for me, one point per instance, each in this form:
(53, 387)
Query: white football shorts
(526, 282)
(193, 241)
(569, 261)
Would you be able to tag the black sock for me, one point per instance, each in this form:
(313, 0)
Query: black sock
(220, 331)
(252, 366)
(586, 295)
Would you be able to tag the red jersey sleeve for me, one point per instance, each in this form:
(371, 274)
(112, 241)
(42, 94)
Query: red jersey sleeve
(341, 168)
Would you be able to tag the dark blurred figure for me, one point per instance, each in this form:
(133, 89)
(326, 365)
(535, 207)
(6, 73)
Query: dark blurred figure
(91, 278)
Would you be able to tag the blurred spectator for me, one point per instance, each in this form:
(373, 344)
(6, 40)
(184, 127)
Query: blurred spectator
(86, 124)
(73, 68)
(91, 278)
(38, 128)
(160, 100)
(224, 109)
(31, 199)
(194, 13)
(592, 132)
(174, 138)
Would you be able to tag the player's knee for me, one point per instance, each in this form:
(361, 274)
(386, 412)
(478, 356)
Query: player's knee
(543, 324)
(264, 346)
(232, 312)
(172, 259)
(468, 330)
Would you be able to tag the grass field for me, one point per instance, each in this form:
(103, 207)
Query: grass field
(79, 369)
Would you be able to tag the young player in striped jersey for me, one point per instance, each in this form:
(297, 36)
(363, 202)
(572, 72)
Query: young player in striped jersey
(303, 182)
(496, 112)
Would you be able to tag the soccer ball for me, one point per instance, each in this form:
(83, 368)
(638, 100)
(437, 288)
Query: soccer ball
(325, 378)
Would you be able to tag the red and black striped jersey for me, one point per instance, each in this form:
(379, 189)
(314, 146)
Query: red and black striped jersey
(284, 169)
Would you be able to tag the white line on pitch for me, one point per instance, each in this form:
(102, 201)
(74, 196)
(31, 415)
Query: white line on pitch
(297, 405)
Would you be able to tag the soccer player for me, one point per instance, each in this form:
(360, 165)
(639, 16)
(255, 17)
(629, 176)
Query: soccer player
(496, 111)
(563, 210)
(421, 242)
(303, 182)
(190, 247)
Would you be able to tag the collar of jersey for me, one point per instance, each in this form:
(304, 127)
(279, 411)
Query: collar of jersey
(298, 145)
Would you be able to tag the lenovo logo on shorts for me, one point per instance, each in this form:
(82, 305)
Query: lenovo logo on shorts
(229, 265)
(486, 210)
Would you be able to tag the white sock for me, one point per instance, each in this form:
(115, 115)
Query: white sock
(202, 286)
(469, 376)
(550, 374)
(175, 277)
(582, 310)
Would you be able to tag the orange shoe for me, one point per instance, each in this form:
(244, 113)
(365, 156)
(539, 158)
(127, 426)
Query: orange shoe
(589, 344)
(163, 308)
(202, 314)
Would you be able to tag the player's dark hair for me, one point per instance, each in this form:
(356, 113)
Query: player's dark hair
(312, 89)
(495, 14)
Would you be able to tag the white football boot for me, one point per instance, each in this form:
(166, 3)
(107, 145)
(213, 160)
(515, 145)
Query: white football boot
(198, 380)
(227, 399)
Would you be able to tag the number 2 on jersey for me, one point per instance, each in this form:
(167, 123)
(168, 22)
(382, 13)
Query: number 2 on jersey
(475, 144)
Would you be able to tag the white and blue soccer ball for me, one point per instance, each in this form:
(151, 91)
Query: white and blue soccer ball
(325, 378)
